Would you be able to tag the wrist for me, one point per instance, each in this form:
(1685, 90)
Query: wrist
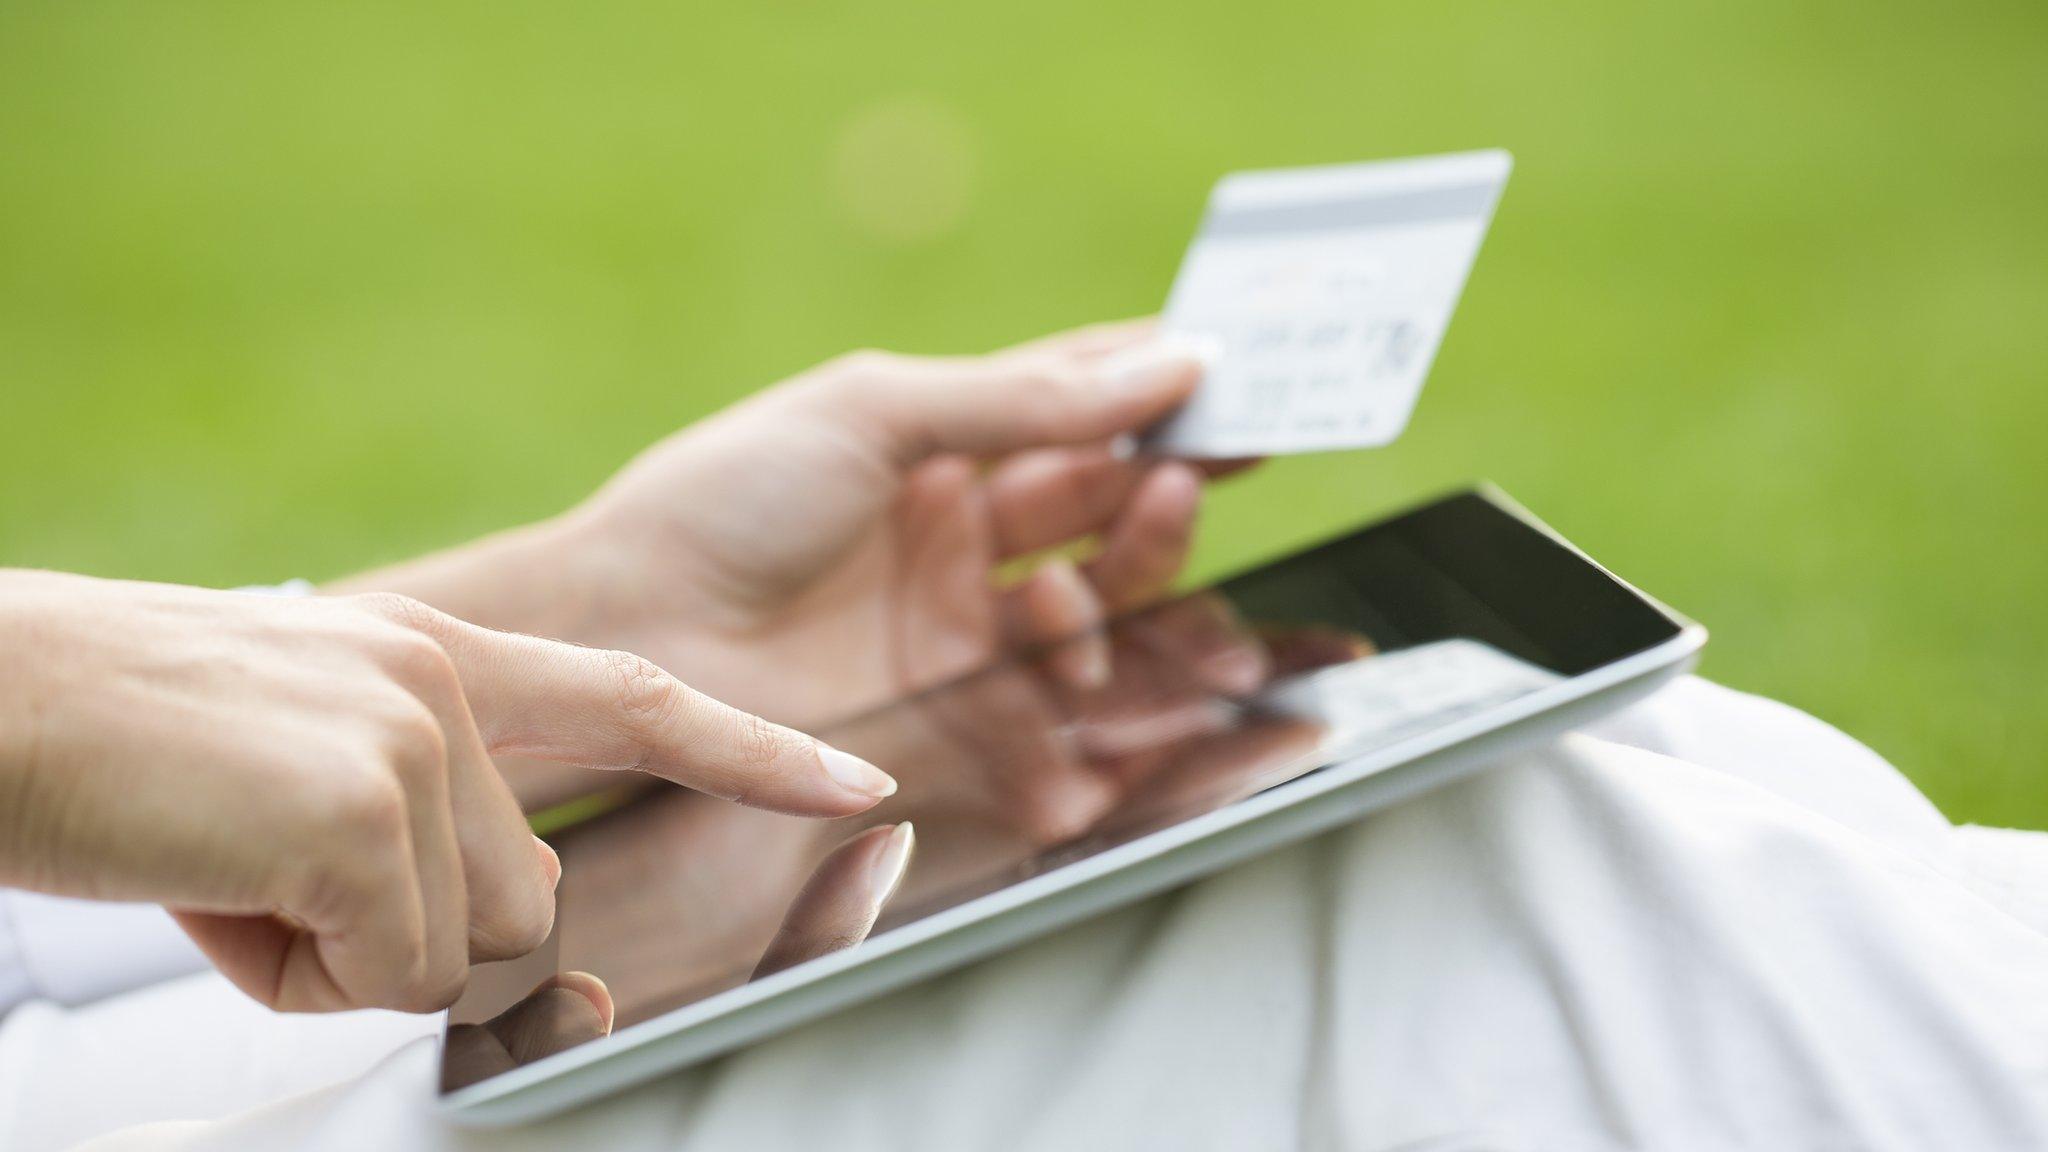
(534, 579)
(23, 706)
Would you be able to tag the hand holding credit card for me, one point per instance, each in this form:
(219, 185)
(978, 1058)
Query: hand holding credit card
(1319, 296)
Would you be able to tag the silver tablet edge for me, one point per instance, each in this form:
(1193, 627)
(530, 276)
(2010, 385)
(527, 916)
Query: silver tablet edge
(1123, 875)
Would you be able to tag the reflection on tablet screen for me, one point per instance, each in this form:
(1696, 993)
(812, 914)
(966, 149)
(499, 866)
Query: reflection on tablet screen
(1019, 768)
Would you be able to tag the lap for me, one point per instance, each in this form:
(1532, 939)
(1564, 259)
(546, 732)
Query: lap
(1716, 923)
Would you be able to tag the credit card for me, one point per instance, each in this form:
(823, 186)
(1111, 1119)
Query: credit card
(1319, 297)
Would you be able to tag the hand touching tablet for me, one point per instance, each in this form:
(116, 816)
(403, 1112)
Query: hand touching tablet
(308, 783)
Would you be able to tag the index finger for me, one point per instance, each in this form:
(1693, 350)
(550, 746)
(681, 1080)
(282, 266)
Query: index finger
(1094, 341)
(911, 408)
(606, 709)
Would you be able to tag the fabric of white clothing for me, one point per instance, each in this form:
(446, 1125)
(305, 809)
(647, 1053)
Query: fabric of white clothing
(79, 951)
(1711, 923)
(16, 984)
(192, 1048)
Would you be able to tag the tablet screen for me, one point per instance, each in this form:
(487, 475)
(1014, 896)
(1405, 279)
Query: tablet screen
(1029, 765)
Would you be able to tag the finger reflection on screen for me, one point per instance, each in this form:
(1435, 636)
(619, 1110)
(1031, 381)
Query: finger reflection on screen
(834, 910)
(837, 907)
(1381, 644)
(564, 1011)
(1005, 774)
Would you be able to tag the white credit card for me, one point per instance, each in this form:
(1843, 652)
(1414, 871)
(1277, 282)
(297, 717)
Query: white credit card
(1319, 296)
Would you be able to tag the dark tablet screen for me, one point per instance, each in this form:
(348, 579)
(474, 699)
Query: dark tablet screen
(1044, 759)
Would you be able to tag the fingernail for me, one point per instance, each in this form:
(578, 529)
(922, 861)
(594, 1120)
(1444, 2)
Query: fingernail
(891, 863)
(1237, 671)
(1065, 597)
(587, 986)
(1092, 664)
(550, 862)
(1084, 662)
(1148, 368)
(855, 774)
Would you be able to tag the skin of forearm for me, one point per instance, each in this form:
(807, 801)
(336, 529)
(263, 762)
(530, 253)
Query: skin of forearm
(530, 579)
(24, 649)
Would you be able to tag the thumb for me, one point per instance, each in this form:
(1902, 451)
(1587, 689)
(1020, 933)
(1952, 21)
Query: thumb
(917, 407)
(605, 709)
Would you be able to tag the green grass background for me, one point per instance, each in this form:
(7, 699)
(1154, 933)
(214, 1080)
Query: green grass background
(1763, 322)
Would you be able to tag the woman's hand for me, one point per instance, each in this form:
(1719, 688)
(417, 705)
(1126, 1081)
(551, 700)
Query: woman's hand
(308, 782)
(835, 542)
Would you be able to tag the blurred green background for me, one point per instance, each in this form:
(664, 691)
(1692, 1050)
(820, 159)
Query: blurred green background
(1763, 322)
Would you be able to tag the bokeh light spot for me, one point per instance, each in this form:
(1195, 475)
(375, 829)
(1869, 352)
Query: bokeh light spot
(903, 169)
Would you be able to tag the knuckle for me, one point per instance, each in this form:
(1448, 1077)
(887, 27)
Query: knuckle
(754, 749)
(1067, 385)
(318, 889)
(643, 688)
(517, 933)
(434, 991)
(1078, 489)
(416, 742)
(650, 699)
(1049, 394)
(863, 365)
(851, 381)
(396, 608)
(369, 805)
(417, 661)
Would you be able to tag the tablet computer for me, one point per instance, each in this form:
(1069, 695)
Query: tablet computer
(1276, 704)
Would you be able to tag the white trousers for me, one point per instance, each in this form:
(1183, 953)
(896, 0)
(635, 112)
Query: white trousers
(1712, 923)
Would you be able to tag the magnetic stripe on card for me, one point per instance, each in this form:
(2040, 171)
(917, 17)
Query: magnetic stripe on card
(1459, 202)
